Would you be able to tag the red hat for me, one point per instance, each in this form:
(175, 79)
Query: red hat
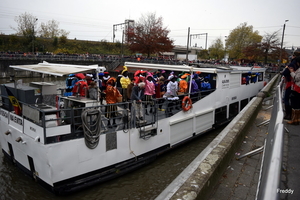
(136, 79)
(80, 75)
(137, 73)
(106, 73)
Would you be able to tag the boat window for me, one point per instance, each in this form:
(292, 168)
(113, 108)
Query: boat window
(244, 102)
(252, 97)
(233, 109)
(261, 76)
(221, 115)
(207, 81)
(245, 79)
(251, 77)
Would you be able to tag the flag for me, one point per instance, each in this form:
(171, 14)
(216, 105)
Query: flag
(14, 101)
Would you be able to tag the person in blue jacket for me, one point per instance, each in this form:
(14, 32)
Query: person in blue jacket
(70, 82)
(205, 85)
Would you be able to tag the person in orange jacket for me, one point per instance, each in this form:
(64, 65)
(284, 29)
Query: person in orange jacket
(183, 85)
(111, 99)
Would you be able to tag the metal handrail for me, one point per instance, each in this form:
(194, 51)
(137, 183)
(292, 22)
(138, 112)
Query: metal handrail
(270, 173)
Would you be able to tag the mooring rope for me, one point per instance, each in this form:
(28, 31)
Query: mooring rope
(91, 123)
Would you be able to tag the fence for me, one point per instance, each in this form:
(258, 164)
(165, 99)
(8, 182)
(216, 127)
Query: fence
(270, 172)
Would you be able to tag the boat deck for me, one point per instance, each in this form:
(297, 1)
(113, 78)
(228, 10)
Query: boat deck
(52, 112)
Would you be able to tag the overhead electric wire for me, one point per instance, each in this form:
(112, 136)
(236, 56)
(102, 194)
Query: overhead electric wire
(66, 19)
(104, 25)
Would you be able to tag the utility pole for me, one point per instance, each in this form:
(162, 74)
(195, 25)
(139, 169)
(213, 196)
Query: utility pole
(282, 42)
(187, 47)
(122, 51)
(206, 41)
(33, 35)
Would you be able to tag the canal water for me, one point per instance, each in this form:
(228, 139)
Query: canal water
(143, 184)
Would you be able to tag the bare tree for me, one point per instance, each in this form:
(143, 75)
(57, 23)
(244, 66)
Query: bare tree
(270, 46)
(27, 24)
(27, 28)
(51, 30)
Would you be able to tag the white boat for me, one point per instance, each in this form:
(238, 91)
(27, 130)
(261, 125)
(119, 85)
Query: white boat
(68, 149)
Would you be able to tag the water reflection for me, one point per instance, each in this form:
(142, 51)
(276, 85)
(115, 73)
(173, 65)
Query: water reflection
(145, 183)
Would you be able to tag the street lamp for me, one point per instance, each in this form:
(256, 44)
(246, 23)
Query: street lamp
(33, 35)
(282, 41)
(225, 50)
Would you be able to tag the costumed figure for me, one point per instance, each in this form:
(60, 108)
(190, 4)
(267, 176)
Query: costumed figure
(118, 83)
(171, 76)
(70, 83)
(81, 87)
(183, 85)
(100, 85)
(197, 80)
(149, 92)
(171, 95)
(125, 81)
(136, 96)
(112, 93)
(106, 76)
(205, 85)
(89, 78)
(160, 89)
(194, 88)
(94, 91)
(288, 84)
(295, 92)
(129, 91)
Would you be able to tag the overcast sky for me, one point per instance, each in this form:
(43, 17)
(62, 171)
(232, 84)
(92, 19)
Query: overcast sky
(94, 19)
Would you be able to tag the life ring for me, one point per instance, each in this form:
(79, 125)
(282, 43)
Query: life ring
(186, 103)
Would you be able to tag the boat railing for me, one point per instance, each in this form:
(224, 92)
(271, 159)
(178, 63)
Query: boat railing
(60, 122)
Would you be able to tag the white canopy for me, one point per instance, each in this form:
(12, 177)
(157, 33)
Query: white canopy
(204, 68)
(185, 68)
(58, 69)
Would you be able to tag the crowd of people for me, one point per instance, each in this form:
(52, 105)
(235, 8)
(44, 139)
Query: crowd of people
(291, 75)
(139, 91)
(130, 58)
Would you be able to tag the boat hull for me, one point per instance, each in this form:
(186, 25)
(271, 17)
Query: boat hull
(53, 146)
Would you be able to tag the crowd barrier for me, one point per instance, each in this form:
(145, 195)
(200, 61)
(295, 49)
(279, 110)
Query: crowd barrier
(270, 172)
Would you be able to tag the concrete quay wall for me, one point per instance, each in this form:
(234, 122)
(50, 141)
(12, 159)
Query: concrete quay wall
(198, 179)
